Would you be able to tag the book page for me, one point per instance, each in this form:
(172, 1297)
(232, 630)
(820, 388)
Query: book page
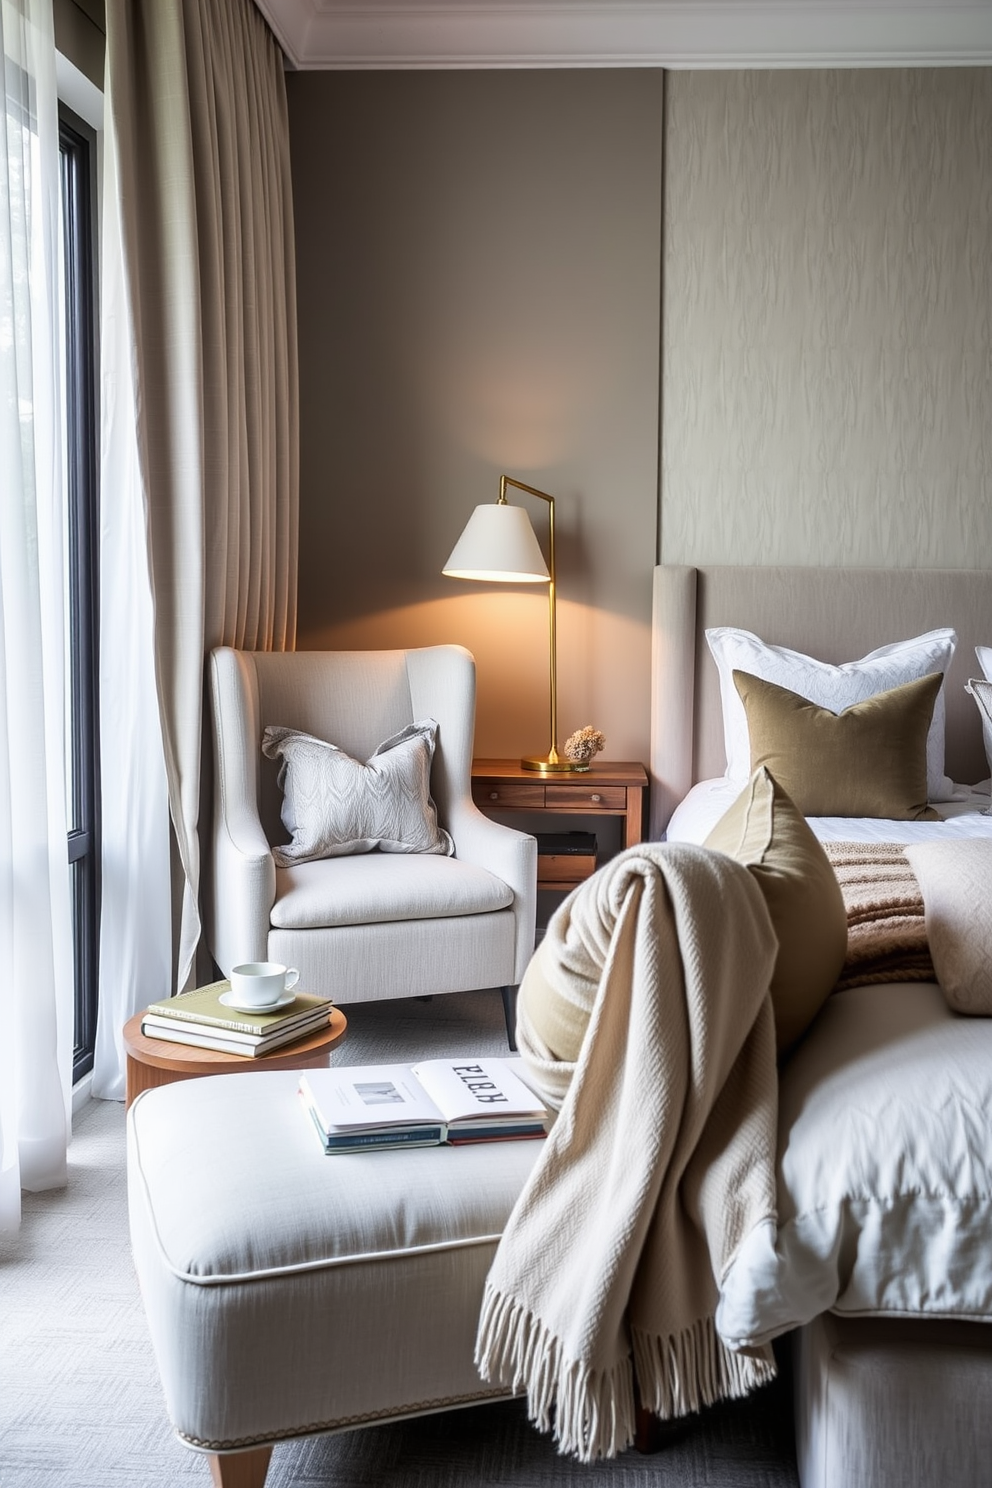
(477, 1088)
(368, 1097)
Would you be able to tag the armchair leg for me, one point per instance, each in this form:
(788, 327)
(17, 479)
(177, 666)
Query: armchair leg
(509, 995)
(240, 1469)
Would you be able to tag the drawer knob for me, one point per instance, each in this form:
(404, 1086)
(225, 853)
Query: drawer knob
(494, 795)
(595, 796)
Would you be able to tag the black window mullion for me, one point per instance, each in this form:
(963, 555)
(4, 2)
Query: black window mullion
(78, 153)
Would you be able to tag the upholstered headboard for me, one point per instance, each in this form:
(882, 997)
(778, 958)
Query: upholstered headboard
(834, 614)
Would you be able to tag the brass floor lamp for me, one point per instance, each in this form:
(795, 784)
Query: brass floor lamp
(498, 545)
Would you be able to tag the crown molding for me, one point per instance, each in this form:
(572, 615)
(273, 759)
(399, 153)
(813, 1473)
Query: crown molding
(361, 34)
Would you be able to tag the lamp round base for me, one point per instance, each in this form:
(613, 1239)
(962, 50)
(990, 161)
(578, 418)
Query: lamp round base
(553, 767)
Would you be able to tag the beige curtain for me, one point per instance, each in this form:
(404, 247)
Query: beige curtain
(197, 105)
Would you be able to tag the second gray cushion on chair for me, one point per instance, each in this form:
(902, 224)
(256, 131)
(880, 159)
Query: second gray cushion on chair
(370, 890)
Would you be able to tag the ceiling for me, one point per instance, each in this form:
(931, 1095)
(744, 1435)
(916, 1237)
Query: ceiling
(630, 33)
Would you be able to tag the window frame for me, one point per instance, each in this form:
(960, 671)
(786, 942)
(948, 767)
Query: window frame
(78, 183)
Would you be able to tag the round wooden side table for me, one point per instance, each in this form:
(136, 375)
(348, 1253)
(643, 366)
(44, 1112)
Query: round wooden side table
(153, 1062)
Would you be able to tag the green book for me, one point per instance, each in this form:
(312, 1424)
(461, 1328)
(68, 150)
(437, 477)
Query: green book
(203, 1005)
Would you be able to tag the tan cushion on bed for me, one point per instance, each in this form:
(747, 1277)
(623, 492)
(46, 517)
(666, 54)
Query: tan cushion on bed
(764, 831)
(559, 1024)
(955, 879)
(869, 760)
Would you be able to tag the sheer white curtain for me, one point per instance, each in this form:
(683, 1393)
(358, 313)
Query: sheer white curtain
(36, 974)
(201, 467)
(135, 888)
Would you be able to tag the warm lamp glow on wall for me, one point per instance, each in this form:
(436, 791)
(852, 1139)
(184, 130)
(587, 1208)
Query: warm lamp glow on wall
(498, 545)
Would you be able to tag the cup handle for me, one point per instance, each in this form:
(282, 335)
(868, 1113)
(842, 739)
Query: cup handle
(292, 977)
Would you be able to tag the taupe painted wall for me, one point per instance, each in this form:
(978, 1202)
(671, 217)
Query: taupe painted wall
(827, 384)
(480, 261)
(479, 290)
(80, 35)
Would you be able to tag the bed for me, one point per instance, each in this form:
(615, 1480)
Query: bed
(883, 1283)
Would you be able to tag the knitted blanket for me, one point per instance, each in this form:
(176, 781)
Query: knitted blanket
(886, 929)
(662, 1157)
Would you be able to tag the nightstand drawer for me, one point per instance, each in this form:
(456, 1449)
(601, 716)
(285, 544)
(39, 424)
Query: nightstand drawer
(515, 793)
(564, 869)
(609, 790)
(587, 797)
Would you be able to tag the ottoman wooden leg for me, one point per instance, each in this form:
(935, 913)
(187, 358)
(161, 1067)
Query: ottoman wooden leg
(240, 1469)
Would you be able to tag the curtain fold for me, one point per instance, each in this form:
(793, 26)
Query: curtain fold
(198, 118)
(36, 975)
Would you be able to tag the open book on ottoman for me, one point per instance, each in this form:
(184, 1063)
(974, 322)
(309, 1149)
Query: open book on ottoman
(421, 1105)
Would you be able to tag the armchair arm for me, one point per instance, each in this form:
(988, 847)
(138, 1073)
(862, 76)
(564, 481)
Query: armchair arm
(511, 856)
(442, 686)
(243, 869)
(244, 891)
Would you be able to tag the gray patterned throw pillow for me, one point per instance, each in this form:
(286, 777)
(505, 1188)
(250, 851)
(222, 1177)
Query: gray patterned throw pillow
(334, 805)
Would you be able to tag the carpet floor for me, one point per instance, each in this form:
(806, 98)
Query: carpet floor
(80, 1402)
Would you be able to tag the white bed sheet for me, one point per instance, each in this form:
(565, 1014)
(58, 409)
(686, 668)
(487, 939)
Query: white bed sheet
(696, 816)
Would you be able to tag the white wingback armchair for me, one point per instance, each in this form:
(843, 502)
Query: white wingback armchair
(374, 925)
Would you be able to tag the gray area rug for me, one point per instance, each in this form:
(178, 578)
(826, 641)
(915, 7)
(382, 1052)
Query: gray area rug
(80, 1402)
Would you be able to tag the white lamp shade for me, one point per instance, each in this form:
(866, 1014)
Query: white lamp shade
(498, 544)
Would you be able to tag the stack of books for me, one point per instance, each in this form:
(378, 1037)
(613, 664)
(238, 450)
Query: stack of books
(206, 1019)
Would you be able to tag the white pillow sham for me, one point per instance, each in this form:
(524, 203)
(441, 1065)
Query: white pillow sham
(984, 654)
(833, 687)
(334, 806)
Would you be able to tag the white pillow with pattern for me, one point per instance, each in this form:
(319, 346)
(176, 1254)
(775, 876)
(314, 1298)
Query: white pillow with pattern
(334, 806)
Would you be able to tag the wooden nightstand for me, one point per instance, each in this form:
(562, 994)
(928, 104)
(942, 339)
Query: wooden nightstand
(616, 790)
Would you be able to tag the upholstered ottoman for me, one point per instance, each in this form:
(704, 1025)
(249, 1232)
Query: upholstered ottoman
(290, 1293)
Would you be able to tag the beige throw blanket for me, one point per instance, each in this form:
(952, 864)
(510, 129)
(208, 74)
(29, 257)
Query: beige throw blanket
(661, 1160)
(886, 926)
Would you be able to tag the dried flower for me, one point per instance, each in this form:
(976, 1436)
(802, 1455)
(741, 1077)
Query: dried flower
(583, 744)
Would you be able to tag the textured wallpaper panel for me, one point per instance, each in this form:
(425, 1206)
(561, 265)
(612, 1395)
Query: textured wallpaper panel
(827, 325)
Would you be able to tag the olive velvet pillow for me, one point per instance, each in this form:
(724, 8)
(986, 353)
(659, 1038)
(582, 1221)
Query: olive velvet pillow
(764, 831)
(869, 760)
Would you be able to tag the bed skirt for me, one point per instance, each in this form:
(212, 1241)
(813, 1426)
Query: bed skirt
(893, 1403)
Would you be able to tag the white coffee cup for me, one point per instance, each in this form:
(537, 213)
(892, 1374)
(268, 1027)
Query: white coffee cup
(260, 984)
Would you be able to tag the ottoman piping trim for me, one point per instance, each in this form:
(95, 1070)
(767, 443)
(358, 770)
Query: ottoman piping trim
(325, 1263)
(343, 1423)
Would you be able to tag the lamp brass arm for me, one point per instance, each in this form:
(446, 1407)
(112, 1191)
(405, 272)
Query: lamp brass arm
(554, 760)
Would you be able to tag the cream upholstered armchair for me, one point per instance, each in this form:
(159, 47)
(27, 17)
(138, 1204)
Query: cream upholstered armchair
(375, 924)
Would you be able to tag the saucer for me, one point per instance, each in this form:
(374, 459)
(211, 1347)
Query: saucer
(228, 999)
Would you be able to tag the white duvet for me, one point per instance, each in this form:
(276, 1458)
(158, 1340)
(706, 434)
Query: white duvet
(884, 1171)
(885, 1138)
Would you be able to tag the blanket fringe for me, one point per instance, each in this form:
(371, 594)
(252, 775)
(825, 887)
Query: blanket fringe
(692, 1369)
(590, 1412)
